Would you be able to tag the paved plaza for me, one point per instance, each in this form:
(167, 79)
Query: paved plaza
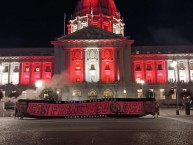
(165, 111)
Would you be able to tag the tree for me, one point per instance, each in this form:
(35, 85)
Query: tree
(13, 90)
(186, 95)
(169, 92)
(150, 94)
(14, 94)
(49, 95)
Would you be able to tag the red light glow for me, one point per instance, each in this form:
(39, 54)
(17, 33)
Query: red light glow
(76, 65)
(107, 65)
(35, 72)
(25, 73)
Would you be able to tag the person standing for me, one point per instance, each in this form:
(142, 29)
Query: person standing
(16, 111)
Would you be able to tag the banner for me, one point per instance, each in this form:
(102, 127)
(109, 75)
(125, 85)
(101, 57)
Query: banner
(79, 109)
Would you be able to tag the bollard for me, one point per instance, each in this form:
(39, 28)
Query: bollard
(12, 114)
(177, 111)
(187, 108)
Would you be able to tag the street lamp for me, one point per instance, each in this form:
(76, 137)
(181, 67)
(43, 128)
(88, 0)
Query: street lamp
(125, 91)
(58, 92)
(174, 64)
(142, 82)
(38, 84)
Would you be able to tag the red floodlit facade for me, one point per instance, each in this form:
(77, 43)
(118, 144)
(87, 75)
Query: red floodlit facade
(32, 70)
(35, 72)
(138, 70)
(96, 60)
(47, 71)
(76, 65)
(25, 73)
(150, 70)
(107, 65)
(161, 71)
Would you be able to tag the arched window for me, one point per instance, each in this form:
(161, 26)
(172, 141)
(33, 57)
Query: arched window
(77, 93)
(108, 93)
(92, 94)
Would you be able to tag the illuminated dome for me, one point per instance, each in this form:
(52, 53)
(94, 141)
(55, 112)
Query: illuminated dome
(106, 7)
(99, 13)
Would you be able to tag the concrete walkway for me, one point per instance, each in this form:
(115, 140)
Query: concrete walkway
(172, 111)
(6, 113)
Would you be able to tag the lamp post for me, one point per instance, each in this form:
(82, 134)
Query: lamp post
(174, 64)
(142, 83)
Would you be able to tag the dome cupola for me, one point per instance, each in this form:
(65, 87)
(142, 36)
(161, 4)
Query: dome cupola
(106, 7)
(99, 13)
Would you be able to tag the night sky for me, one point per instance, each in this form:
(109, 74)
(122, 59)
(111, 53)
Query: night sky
(34, 23)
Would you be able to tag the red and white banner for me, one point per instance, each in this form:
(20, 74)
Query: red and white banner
(91, 108)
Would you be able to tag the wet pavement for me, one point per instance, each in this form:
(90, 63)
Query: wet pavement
(165, 130)
(168, 111)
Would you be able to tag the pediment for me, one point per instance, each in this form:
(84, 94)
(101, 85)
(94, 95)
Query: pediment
(91, 32)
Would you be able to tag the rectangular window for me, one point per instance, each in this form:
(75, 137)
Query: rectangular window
(170, 66)
(148, 81)
(6, 69)
(106, 27)
(191, 66)
(92, 67)
(174, 96)
(48, 69)
(107, 67)
(138, 67)
(159, 67)
(26, 69)
(181, 66)
(37, 69)
(16, 69)
(139, 93)
(77, 68)
(162, 94)
(149, 67)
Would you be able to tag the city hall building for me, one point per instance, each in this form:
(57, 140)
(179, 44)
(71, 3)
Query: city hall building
(97, 60)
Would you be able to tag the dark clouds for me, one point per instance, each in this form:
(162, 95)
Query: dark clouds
(34, 23)
(166, 36)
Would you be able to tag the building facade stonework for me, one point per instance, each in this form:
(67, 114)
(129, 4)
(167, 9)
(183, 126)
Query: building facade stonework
(96, 60)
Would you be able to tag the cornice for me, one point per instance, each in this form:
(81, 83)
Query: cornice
(27, 58)
(161, 56)
(93, 43)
